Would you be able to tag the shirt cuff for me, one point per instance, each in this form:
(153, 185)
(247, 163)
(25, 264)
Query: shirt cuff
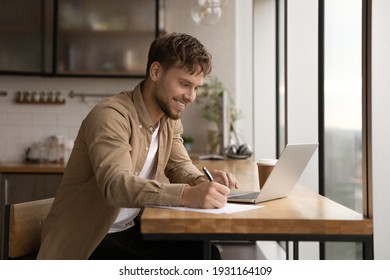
(170, 194)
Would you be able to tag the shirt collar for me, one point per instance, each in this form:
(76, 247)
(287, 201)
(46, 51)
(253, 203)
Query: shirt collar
(143, 113)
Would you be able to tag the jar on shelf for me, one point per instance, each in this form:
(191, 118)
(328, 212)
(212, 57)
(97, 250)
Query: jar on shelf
(56, 149)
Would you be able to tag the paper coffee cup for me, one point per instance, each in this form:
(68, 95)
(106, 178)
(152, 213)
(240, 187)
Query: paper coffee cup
(265, 167)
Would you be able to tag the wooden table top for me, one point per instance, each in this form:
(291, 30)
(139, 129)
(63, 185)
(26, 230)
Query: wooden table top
(244, 170)
(303, 212)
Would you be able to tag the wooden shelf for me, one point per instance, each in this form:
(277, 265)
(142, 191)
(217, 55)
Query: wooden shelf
(41, 102)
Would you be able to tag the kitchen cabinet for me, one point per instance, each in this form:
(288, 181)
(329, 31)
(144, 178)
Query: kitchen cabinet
(77, 37)
(99, 37)
(22, 38)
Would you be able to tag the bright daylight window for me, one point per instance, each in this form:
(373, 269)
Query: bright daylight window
(343, 111)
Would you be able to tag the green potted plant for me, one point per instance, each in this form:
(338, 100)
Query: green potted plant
(188, 141)
(211, 97)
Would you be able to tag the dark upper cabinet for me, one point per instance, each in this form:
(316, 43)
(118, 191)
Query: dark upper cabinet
(21, 36)
(100, 37)
(77, 37)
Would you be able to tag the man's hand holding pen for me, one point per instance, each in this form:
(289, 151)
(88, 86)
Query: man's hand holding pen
(222, 177)
(211, 190)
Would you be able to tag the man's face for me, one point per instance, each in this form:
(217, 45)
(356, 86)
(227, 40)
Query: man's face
(175, 89)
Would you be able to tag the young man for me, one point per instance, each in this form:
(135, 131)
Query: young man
(129, 153)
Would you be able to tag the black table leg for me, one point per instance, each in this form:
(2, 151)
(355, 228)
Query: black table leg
(206, 249)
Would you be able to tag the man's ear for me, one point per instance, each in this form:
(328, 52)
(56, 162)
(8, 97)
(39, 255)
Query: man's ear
(155, 70)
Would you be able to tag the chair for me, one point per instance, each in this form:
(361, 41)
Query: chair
(25, 227)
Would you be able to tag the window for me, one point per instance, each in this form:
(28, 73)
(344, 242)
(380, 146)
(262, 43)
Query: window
(342, 94)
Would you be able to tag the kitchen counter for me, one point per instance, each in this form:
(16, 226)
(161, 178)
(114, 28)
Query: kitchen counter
(21, 167)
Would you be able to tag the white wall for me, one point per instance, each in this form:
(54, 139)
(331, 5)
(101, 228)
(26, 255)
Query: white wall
(380, 126)
(264, 76)
(302, 80)
(302, 90)
(22, 124)
(244, 70)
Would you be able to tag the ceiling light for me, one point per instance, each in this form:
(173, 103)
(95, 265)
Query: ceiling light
(207, 12)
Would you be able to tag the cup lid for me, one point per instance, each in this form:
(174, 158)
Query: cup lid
(267, 162)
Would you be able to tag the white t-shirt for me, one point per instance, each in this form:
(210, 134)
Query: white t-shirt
(126, 216)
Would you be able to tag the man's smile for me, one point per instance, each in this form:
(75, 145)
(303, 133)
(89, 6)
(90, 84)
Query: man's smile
(180, 104)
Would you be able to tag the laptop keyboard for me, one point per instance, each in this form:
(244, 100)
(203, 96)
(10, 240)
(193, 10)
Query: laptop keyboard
(252, 195)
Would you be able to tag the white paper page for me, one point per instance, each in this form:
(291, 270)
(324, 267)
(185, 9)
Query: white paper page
(229, 208)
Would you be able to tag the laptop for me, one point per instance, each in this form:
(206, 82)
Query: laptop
(284, 176)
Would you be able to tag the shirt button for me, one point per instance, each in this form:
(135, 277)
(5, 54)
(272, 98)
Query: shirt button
(147, 148)
(140, 126)
(136, 173)
(151, 129)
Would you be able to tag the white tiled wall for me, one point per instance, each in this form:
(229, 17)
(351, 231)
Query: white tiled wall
(22, 124)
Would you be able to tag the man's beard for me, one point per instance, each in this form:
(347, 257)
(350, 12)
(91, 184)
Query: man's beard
(164, 106)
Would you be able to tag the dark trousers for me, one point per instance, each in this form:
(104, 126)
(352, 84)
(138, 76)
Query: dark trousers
(129, 245)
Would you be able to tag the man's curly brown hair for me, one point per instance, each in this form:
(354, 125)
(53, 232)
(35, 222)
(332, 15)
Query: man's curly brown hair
(180, 50)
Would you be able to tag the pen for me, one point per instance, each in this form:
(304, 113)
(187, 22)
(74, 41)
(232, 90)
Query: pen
(208, 174)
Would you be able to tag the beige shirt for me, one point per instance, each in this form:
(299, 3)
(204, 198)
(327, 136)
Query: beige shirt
(102, 175)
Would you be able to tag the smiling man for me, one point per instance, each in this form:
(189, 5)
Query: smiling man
(129, 153)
